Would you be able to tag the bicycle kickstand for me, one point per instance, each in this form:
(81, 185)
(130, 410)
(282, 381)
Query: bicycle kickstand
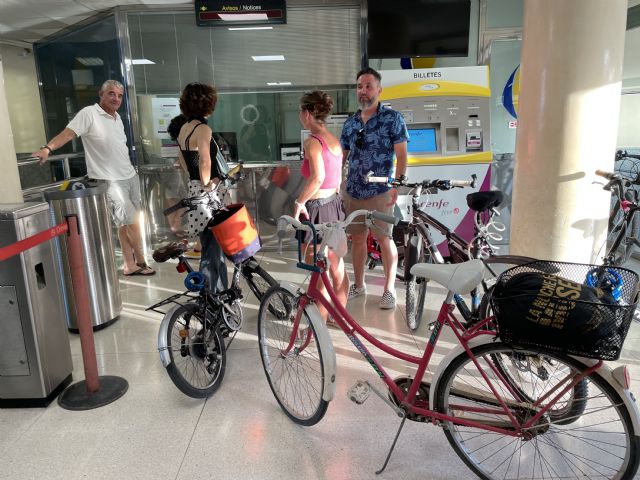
(393, 445)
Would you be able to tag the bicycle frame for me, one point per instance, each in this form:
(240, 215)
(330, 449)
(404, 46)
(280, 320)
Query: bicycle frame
(351, 327)
(630, 210)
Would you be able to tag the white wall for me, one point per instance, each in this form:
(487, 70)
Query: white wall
(23, 98)
(11, 191)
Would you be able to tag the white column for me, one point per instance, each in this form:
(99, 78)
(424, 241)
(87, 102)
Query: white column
(11, 191)
(572, 55)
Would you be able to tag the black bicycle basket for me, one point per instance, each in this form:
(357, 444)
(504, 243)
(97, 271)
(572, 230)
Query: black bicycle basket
(571, 308)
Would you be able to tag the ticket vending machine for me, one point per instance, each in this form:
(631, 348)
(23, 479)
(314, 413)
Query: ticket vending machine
(447, 114)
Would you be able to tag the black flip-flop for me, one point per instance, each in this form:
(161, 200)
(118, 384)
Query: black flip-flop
(141, 270)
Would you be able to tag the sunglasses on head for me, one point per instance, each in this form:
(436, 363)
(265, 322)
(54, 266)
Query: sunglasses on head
(360, 138)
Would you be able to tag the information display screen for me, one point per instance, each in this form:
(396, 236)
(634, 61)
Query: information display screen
(418, 28)
(239, 12)
(422, 140)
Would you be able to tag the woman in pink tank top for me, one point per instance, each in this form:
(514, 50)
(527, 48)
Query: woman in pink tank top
(320, 201)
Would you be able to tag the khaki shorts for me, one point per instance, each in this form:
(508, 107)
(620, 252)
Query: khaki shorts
(124, 199)
(379, 203)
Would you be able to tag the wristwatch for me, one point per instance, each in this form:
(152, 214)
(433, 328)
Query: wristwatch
(47, 147)
(402, 179)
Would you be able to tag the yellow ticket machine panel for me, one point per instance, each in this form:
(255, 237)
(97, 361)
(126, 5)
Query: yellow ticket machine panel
(447, 114)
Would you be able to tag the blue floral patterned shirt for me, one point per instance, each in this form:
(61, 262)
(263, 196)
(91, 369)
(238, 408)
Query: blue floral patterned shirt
(371, 148)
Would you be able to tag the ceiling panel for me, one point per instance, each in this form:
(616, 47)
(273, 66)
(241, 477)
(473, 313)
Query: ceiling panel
(30, 20)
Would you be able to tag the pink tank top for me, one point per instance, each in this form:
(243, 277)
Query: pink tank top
(332, 166)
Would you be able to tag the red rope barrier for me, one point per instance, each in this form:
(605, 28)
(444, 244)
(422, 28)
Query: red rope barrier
(30, 242)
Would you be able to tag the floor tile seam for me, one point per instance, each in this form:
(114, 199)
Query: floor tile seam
(193, 433)
(103, 354)
(23, 432)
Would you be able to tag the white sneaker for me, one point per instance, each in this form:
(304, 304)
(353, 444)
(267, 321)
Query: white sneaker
(388, 300)
(356, 291)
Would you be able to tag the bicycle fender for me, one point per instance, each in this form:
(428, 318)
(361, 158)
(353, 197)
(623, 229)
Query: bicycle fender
(604, 371)
(607, 374)
(163, 346)
(324, 344)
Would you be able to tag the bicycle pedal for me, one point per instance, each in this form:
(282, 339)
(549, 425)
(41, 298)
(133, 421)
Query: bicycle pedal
(359, 392)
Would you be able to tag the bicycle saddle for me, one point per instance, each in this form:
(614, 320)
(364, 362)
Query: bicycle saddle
(481, 201)
(457, 277)
(171, 250)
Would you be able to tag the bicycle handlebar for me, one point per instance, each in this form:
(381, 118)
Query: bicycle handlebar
(608, 175)
(425, 184)
(191, 203)
(285, 220)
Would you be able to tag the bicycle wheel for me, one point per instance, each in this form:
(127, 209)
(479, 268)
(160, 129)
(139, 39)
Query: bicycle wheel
(573, 404)
(601, 443)
(296, 377)
(258, 279)
(197, 352)
(415, 293)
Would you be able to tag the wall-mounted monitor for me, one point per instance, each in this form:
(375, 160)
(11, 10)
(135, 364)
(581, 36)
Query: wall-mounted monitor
(417, 28)
(422, 140)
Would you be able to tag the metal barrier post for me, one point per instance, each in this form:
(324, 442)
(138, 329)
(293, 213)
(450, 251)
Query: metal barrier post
(94, 391)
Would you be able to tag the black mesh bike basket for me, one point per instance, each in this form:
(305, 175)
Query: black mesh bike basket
(571, 308)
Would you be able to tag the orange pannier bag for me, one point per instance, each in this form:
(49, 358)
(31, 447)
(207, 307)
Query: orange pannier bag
(235, 232)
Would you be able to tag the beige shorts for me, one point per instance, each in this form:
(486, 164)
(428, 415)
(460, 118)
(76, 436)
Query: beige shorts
(124, 199)
(379, 203)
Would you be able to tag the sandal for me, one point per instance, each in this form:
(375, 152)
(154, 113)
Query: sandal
(144, 270)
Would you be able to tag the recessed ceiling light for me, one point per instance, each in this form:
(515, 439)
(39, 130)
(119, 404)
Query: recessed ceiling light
(250, 28)
(140, 61)
(267, 58)
(273, 84)
(90, 61)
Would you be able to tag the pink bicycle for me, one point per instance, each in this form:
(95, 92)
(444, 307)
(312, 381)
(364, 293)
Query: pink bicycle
(504, 407)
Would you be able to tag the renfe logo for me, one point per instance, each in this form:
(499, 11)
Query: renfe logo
(439, 204)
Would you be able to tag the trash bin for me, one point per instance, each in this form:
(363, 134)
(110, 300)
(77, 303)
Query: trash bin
(35, 358)
(90, 206)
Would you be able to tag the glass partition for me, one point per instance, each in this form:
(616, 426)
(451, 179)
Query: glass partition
(260, 75)
(71, 69)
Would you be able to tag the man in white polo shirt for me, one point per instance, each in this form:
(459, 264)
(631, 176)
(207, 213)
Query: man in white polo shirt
(107, 159)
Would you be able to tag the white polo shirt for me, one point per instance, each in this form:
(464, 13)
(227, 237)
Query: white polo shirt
(105, 144)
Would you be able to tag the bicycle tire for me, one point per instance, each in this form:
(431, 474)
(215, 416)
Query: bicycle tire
(198, 360)
(600, 443)
(297, 377)
(257, 278)
(572, 408)
(416, 293)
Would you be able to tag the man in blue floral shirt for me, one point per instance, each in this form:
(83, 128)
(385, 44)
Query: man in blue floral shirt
(371, 139)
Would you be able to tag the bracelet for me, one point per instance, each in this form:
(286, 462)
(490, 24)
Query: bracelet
(47, 147)
(298, 203)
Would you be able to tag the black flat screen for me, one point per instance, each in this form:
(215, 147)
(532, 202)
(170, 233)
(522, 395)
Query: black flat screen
(418, 28)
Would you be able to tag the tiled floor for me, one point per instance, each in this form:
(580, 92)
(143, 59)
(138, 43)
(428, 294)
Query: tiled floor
(156, 432)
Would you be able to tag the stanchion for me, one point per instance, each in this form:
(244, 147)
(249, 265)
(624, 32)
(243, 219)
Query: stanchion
(94, 391)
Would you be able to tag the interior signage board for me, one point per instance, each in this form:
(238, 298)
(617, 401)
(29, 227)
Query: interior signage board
(238, 12)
